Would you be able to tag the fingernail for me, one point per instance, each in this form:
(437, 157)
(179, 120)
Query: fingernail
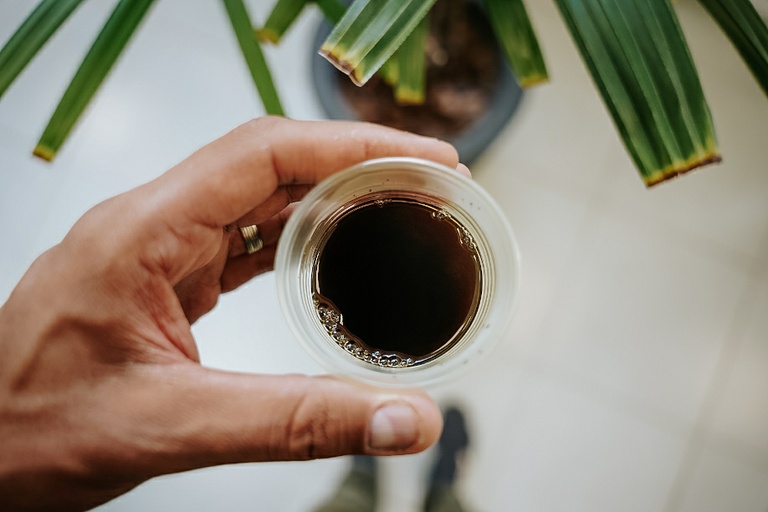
(393, 427)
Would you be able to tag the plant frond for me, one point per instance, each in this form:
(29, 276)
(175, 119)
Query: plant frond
(747, 31)
(369, 33)
(31, 36)
(105, 50)
(254, 57)
(517, 37)
(640, 62)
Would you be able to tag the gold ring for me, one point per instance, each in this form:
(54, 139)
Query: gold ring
(253, 241)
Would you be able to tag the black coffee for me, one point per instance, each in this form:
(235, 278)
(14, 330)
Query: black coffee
(397, 281)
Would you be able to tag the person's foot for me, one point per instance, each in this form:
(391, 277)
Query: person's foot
(453, 443)
(358, 491)
(364, 464)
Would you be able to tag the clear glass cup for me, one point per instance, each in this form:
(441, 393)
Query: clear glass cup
(482, 225)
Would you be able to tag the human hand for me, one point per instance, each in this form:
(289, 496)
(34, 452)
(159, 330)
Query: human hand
(100, 382)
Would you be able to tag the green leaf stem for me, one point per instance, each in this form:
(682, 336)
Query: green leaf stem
(31, 36)
(412, 66)
(97, 63)
(747, 31)
(283, 14)
(254, 57)
(514, 31)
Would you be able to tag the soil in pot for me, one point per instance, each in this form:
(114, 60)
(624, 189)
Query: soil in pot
(463, 71)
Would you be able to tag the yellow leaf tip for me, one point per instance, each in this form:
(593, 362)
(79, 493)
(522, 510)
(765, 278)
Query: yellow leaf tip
(44, 153)
(664, 175)
(533, 81)
(267, 35)
(409, 98)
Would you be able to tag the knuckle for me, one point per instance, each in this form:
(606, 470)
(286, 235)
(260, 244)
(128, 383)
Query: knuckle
(310, 430)
(369, 147)
(264, 123)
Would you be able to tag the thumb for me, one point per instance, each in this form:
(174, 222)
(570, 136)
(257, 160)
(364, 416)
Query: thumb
(213, 417)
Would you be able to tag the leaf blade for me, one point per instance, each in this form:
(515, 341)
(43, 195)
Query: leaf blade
(282, 16)
(412, 66)
(370, 32)
(640, 63)
(747, 31)
(254, 57)
(333, 10)
(515, 32)
(31, 36)
(97, 63)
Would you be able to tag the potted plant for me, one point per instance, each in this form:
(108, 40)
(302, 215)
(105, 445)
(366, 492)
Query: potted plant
(449, 79)
(635, 51)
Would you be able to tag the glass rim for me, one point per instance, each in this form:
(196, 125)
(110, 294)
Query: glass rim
(477, 211)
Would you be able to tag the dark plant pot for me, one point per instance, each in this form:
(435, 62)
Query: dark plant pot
(503, 99)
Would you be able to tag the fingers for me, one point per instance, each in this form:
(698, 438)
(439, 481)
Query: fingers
(269, 231)
(231, 176)
(199, 292)
(245, 267)
(279, 200)
(241, 267)
(217, 418)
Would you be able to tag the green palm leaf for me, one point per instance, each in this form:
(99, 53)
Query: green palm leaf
(31, 36)
(94, 68)
(743, 25)
(283, 14)
(333, 10)
(370, 32)
(410, 59)
(254, 57)
(638, 58)
(514, 31)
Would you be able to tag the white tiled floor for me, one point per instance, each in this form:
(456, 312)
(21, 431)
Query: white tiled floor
(636, 373)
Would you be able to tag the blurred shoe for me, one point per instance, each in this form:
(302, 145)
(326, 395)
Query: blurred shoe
(358, 492)
(453, 443)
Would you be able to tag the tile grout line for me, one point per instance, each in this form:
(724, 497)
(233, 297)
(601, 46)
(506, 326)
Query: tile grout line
(701, 429)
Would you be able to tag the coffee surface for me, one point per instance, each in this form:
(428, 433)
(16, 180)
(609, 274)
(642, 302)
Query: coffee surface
(403, 275)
